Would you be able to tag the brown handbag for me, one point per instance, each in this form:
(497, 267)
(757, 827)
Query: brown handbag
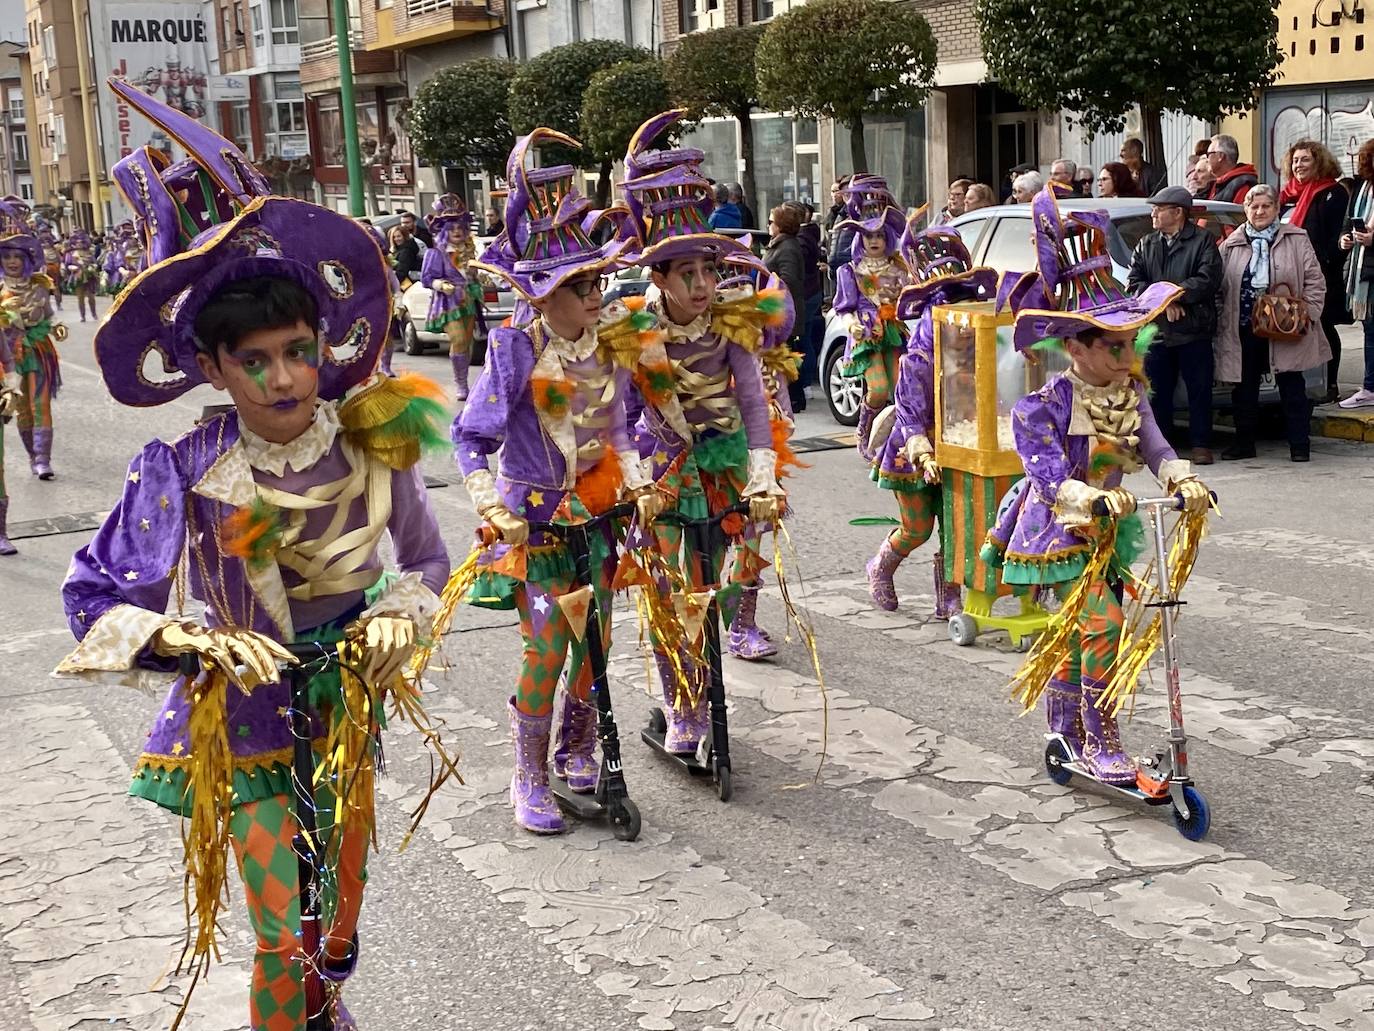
(1280, 317)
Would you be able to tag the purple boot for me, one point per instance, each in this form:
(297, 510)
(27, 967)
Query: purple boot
(1103, 755)
(1064, 711)
(535, 807)
(863, 430)
(42, 453)
(574, 752)
(6, 548)
(687, 723)
(948, 600)
(747, 641)
(880, 569)
(460, 375)
(26, 435)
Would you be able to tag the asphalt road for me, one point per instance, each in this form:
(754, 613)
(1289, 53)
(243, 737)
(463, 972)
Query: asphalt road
(927, 875)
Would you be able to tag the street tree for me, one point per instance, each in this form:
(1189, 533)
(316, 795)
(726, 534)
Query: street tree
(617, 100)
(846, 59)
(1099, 60)
(460, 115)
(548, 91)
(713, 74)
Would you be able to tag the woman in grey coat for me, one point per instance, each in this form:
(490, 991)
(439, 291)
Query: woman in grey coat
(1256, 259)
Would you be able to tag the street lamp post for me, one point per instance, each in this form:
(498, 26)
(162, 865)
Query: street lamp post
(348, 110)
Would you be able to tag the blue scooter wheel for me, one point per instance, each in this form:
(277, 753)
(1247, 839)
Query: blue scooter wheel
(1056, 755)
(1194, 828)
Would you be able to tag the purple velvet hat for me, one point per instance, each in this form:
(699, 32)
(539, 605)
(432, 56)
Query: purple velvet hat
(544, 243)
(449, 210)
(16, 236)
(1073, 288)
(939, 263)
(669, 199)
(327, 253)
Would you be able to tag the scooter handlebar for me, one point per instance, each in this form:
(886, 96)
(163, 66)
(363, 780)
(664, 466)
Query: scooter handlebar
(188, 663)
(678, 519)
(1168, 501)
(561, 530)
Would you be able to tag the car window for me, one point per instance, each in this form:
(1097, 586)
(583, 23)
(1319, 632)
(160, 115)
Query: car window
(1130, 229)
(1009, 248)
(972, 231)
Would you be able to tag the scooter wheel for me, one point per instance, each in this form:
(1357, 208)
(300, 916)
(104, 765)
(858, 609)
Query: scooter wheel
(724, 789)
(1056, 755)
(658, 723)
(625, 820)
(1199, 816)
(963, 631)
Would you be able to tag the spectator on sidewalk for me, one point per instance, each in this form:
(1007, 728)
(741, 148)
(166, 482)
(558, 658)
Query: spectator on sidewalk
(1150, 178)
(979, 195)
(416, 229)
(1358, 243)
(1261, 257)
(1178, 252)
(840, 238)
(1065, 171)
(1115, 180)
(1004, 191)
(783, 256)
(494, 224)
(405, 256)
(1200, 177)
(1083, 181)
(746, 213)
(726, 215)
(809, 328)
(954, 202)
(1231, 180)
(1313, 198)
(1025, 186)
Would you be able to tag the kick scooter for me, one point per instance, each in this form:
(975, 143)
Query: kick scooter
(1163, 780)
(611, 799)
(712, 756)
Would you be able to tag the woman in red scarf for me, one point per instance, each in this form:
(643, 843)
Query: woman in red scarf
(1313, 198)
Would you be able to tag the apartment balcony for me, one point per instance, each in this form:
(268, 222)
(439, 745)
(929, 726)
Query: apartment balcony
(415, 23)
(320, 65)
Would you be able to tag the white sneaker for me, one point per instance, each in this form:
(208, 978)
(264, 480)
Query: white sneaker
(1360, 399)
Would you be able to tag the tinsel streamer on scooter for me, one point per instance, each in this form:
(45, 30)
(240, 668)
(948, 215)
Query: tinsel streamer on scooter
(205, 836)
(804, 629)
(1056, 640)
(455, 591)
(660, 625)
(351, 746)
(1138, 645)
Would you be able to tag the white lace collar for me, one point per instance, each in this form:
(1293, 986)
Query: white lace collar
(694, 330)
(570, 350)
(874, 266)
(300, 454)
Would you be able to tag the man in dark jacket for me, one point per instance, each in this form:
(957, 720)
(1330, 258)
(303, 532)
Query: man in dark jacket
(1179, 252)
(1231, 180)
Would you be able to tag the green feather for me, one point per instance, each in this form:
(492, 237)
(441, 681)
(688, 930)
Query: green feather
(1049, 344)
(1145, 337)
(643, 320)
(425, 420)
(770, 304)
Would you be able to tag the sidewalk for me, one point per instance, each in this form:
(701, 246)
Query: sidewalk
(1342, 423)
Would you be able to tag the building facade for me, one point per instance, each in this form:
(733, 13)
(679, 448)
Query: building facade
(16, 167)
(57, 136)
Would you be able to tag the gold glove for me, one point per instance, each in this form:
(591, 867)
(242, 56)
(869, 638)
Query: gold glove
(649, 505)
(444, 286)
(9, 402)
(514, 530)
(765, 508)
(1196, 496)
(1120, 502)
(246, 657)
(390, 641)
(921, 459)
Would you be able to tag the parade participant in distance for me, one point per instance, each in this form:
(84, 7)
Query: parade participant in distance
(80, 271)
(272, 512)
(11, 398)
(454, 293)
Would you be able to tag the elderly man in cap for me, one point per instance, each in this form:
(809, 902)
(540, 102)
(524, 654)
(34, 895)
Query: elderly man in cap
(1179, 252)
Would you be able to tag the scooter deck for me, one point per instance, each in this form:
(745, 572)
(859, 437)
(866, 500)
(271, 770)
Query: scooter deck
(688, 761)
(584, 807)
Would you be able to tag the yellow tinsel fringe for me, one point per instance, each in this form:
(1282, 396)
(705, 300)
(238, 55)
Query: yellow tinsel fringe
(1053, 645)
(349, 766)
(1139, 645)
(205, 837)
(740, 321)
(460, 581)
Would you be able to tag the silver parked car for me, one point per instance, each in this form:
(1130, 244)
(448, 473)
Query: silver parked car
(498, 301)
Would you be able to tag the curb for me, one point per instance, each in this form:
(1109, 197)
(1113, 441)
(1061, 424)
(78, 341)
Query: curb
(1338, 423)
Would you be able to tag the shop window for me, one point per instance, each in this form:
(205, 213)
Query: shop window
(285, 28)
(331, 131)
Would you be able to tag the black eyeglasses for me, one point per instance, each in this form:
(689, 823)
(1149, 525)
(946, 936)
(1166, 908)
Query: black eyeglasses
(584, 288)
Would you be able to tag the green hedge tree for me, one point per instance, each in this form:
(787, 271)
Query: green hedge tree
(714, 75)
(617, 101)
(459, 115)
(845, 59)
(548, 91)
(1101, 60)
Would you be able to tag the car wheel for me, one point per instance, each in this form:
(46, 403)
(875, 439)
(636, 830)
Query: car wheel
(842, 393)
(410, 339)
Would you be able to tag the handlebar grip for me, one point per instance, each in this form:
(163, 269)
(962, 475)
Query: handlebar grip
(487, 535)
(188, 664)
(1099, 507)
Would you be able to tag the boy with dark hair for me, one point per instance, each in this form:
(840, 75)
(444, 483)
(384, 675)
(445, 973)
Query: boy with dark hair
(272, 514)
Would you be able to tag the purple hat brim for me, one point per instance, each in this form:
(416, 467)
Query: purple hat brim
(975, 284)
(711, 245)
(146, 317)
(539, 286)
(30, 247)
(1034, 325)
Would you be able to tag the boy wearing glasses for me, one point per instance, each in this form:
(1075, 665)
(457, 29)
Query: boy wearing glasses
(1077, 436)
(551, 401)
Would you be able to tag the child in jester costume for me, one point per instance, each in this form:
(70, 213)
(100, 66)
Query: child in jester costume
(551, 401)
(709, 438)
(28, 292)
(455, 294)
(866, 291)
(272, 514)
(80, 272)
(11, 398)
(1077, 436)
(942, 273)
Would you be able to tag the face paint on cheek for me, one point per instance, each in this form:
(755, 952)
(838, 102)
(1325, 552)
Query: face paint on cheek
(689, 280)
(310, 354)
(257, 374)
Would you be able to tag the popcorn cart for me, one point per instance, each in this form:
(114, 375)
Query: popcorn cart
(979, 376)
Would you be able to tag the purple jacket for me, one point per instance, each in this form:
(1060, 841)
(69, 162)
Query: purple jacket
(914, 397)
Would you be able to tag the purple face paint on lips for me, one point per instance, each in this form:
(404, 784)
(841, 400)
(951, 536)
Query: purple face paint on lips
(285, 406)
